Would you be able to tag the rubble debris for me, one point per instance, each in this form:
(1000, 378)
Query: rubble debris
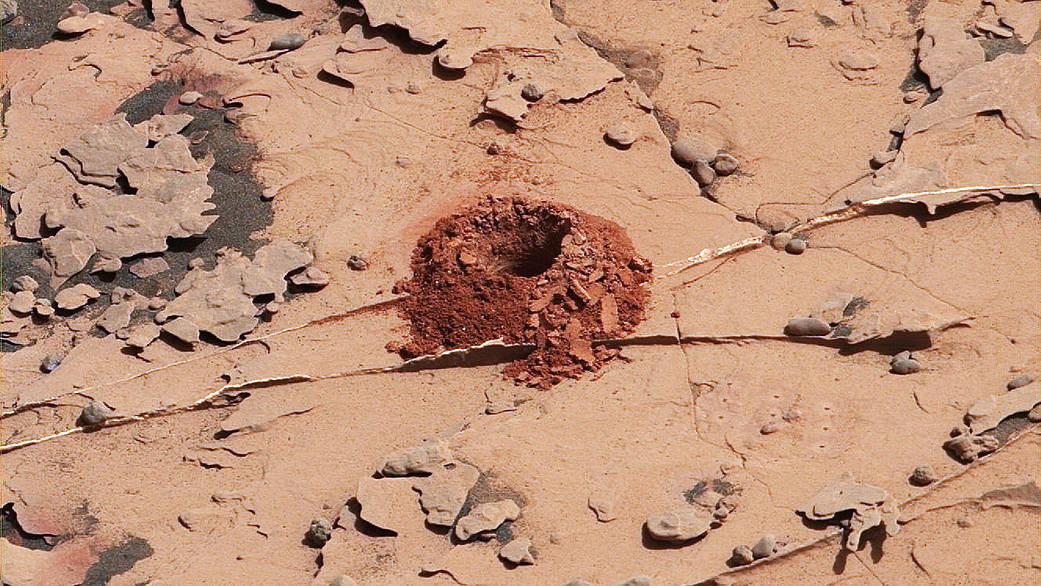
(287, 41)
(310, 277)
(603, 507)
(1020, 381)
(679, 525)
(486, 517)
(561, 279)
(117, 315)
(806, 326)
(422, 459)
(24, 283)
(870, 506)
(987, 413)
(902, 363)
(967, 447)
(444, 492)
(923, 476)
(620, 135)
(50, 362)
(944, 50)
(518, 551)
(220, 301)
(76, 296)
(94, 413)
(765, 547)
(318, 533)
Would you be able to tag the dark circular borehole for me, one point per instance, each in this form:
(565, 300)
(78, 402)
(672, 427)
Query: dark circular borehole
(529, 250)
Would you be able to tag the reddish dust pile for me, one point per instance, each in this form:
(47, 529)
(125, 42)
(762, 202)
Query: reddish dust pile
(529, 272)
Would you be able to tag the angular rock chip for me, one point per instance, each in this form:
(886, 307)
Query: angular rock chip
(486, 517)
(142, 335)
(67, 252)
(310, 277)
(969, 448)
(422, 459)
(183, 329)
(384, 502)
(518, 551)
(76, 296)
(94, 413)
(161, 126)
(679, 525)
(444, 492)
(871, 506)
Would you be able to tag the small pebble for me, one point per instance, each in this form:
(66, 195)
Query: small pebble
(413, 88)
(319, 533)
(532, 92)
(765, 547)
(342, 580)
(1034, 414)
(724, 164)
(923, 476)
(50, 362)
(94, 413)
(493, 149)
(688, 149)
(742, 556)
(795, 246)
(780, 240)
(807, 326)
(403, 162)
(702, 173)
(1020, 381)
(24, 283)
(190, 97)
(635, 581)
(287, 41)
(964, 523)
(904, 366)
(791, 415)
(357, 263)
(620, 135)
(769, 428)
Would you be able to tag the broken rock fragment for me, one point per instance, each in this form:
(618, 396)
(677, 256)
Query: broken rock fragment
(923, 476)
(870, 506)
(807, 326)
(24, 283)
(76, 296)
(969, 447)
(422, 459)
(444, 492)
(486, 517)
(944, 50)
(679, 524)
(386, 502)
(183, 329)
(220, 301)
(310, 277)
(518, 551)
(22, 302)
(94, 413)
(319, 532)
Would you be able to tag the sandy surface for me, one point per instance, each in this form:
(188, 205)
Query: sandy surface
(209, 379)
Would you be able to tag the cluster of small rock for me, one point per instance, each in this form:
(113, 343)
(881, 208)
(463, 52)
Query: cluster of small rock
(705, 161)
(974, 439)
(766, 546)
(709, 508)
